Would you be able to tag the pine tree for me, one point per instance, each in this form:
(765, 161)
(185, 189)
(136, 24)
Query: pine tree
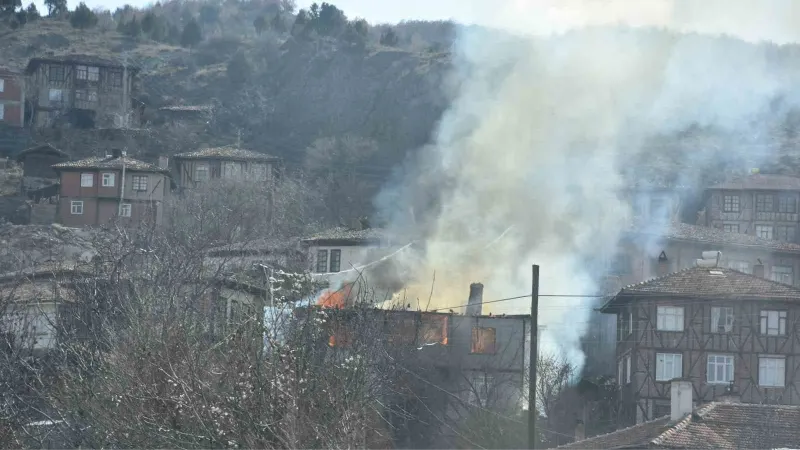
(260, 24)
(56, 8)
(192, 35)
(83, 17)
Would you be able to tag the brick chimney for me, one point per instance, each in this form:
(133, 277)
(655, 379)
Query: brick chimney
(758, 270)
(475, 302)
(662, 266)
(680, 398)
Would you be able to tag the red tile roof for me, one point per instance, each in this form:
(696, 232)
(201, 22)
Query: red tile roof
(715, 282)
(110, 162)
(715, 425)
(762, 182)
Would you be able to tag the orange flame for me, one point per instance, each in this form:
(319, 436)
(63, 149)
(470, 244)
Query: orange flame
(335, 299)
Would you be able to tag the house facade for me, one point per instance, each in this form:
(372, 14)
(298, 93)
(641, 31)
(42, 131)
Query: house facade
(12, 98)
(193, 169)
(81, 91)
(721, 329)
(95, 191)
(343, 249)
(761, 205)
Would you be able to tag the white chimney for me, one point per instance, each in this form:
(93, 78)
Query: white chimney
(681, 399)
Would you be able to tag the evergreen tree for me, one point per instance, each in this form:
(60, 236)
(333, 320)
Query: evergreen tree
(32, 13)
(148, 22)
(239, 69)
(56, 8)
(389, 38)
(209, 14)
(260, 24)
(9, 7)
(192, 35)
(278, 24)
(83, 17)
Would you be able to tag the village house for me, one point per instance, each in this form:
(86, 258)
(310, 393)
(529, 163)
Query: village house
(725, 424)
(37, 168)
(192, 169)
(81, 91)
(343, 249)
(759, 204)
(12, 98)
(96, 190)
(717, 327)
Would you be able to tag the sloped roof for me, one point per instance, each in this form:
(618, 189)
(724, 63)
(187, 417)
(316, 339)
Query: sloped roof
(715, 425)
(711, 235)
(761, 181)
(110, 162)
(79, 59)
(187, 108)
(714, 282)
(347, 234)
(44, 148)
(232, 153)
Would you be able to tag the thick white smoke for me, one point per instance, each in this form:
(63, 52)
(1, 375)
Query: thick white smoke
(535, 141)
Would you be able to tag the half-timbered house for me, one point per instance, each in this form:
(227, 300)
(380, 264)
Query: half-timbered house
(81, 91)
(193, 169)
(717, 327)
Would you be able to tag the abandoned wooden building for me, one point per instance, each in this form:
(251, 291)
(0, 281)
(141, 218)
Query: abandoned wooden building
(192, 169)
(81, 91)
(37, 169)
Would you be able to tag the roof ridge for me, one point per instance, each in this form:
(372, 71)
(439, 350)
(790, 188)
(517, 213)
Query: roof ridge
(681, 424)
(621, 430)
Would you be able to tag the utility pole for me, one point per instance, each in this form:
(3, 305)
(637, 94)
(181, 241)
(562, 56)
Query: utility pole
(534, 356)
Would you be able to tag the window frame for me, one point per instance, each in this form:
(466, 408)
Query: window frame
(787, 204)
(139, 183)
(198, 169)
(628, 368)
(730, 315)
(108, 176)
(114, 78)
(764, 317)
(729, 227)
(763, 201)
(725, 362)
(87, 176)
(60, 101)
(734, 206)
(785, 233)
(2, 85)
(53, 69)
(93, 73)
(2, 111)
(477, 344)
(780, 372)
(765, 231)
(75, 205)
(660, 369)
(321, 264)
(122, 209)
(338, 260)
(778, 273)
(670, 311)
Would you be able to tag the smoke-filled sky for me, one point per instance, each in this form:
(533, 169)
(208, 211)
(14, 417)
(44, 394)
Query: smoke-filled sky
(539, 131)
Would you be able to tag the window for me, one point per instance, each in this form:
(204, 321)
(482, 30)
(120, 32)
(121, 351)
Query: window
(480, 388)
(108, 180)
(721, 319)
(2, 111)
(670, 318)
(668, 366)
(731, 203)
(624, 325)
(139, 183)
(115, 78)
(201, 173)
(87, 179)
(785, 233)
(782, 274)
(787, 204)
(741, 266)
(720, 369)
(87, 73)
(336, 260)
(483, 340)
(773, 323)
(76, 207)
(764, 203)
(771, 371)
(94, 73)
(56, 97)
(2, 85)
(85, 98)
(125, 210)
(322, 261)
(56, 73)
(232, 170)
(620, 373)
(731, 227)
(764, 231)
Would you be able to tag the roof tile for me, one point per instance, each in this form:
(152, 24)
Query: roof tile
(760, 181)
(710, 235)
(346, 234)
(110, 162)
(227, 152)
